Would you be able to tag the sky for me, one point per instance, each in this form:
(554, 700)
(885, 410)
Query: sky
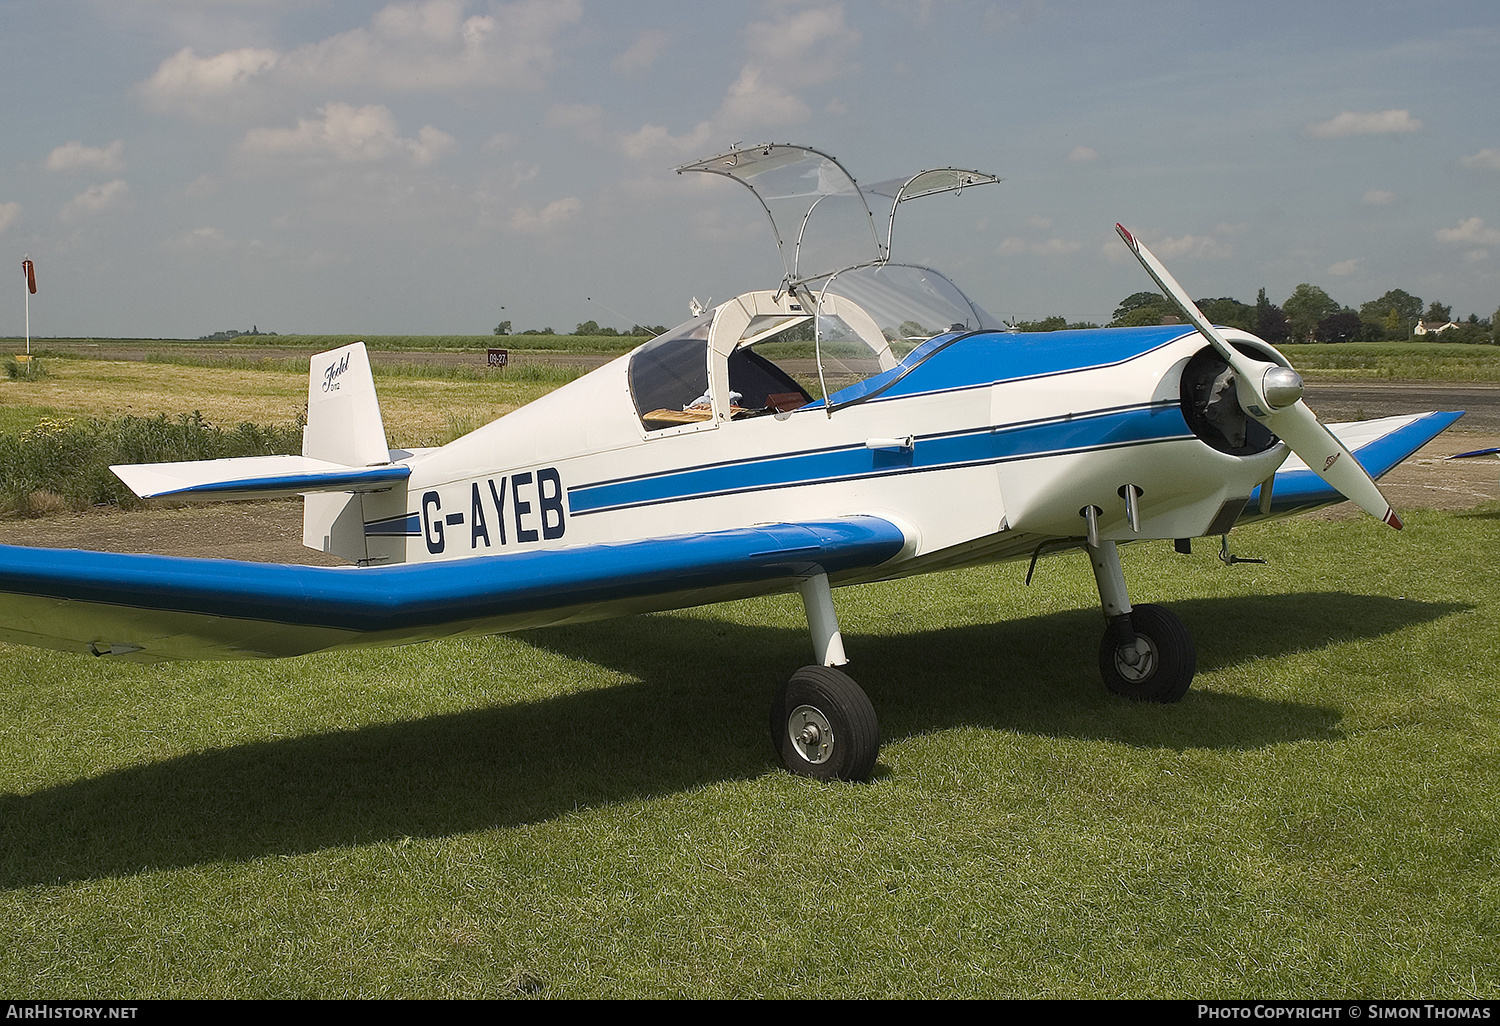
(180, 167)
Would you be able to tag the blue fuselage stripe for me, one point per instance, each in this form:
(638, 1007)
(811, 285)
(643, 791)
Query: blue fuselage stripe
(1100, 430)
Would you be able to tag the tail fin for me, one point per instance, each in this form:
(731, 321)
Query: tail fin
(343, 426)
(343, 415)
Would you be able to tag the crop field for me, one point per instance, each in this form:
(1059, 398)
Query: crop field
(1410, 361)
(597, 811)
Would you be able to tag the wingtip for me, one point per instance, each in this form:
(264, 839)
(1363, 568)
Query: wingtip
(1392, 519)
(1125, 233)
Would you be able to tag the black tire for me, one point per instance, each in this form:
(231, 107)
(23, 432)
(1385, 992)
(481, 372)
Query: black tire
(1165, 657)
(823, 726)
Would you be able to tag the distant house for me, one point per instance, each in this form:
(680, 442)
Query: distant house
(1432, 327)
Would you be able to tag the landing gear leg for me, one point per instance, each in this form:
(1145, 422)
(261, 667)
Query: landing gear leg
(822, 723)
(1147, 652)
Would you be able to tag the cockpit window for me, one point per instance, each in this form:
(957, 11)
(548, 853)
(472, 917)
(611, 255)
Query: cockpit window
(669, 376)
(760, 386)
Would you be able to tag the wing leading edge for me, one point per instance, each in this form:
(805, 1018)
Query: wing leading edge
(154, 608)
(1378, 445)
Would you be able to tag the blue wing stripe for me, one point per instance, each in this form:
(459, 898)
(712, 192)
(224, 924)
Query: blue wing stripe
(352, 479)
(405, 596)
(1300, 489)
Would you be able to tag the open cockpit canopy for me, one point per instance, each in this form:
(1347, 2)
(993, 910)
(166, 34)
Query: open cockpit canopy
(822, 220)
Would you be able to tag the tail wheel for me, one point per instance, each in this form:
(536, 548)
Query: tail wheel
(823, 726)
(1158, 666)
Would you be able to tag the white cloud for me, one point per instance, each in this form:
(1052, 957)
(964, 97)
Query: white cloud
(349, 133)
(525, 219)
(1349, 123)
(586, 120)
(1014, 245)
(1345, 267)
(795, 49)
(75, 156)
(1379, 197)
(1196, 247)
(1082, 155)
(199, 240)
(8, 214)
(422, 46)
(1484, 160)
(196, 86)
(1470, 230)
(641, 54)
(96, 199)
(651, 140)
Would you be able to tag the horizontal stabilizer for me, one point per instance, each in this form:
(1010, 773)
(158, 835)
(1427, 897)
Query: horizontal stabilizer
(255, 477)
(164, 607)
(1378, 445)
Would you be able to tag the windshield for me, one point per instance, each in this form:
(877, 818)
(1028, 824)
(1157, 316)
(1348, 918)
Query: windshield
(777, 351)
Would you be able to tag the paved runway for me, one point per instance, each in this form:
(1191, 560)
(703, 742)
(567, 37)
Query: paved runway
(1360, 400)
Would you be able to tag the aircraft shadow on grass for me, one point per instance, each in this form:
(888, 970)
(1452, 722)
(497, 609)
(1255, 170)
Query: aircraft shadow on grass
(693, 717)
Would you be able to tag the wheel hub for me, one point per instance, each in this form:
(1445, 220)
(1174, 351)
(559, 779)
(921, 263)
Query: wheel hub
(1137, 662)
(811, 734)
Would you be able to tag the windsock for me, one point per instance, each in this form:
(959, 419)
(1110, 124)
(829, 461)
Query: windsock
(30, 270)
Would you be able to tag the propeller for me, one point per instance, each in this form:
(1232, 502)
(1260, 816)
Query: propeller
(1272, 394)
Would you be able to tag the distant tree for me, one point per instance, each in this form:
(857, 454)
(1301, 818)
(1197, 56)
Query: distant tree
(1305, 307)
(1228, 312)
(1344, 326)
(1140, 308)
(1407, 307)
(1270, 320)
(1437, 312)
(503, 328)
(1053, 323)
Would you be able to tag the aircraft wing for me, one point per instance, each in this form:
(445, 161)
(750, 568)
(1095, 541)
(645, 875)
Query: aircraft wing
(1378, 445)
(151, 608)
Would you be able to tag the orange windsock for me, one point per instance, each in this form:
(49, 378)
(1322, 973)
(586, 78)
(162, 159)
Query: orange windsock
(30, 269)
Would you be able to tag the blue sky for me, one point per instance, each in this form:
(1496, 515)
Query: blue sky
(177, 167)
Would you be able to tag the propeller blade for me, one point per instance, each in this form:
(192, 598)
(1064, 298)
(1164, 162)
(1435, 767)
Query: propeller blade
(1273, 395)
(1327, 457)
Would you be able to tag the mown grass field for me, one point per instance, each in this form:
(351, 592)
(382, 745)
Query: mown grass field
(596, 811)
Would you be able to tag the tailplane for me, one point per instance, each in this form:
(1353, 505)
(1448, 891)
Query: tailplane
(344, 455)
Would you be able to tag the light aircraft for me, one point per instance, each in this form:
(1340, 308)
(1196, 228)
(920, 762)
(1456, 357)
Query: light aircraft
(790, 439)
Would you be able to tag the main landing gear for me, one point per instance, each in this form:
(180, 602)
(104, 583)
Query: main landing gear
(1147, 652)
(822, 723)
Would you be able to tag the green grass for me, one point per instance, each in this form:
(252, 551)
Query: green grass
(594, 811)
(54, 465)
(1404, 361)
(544, 373)
(386, 343)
